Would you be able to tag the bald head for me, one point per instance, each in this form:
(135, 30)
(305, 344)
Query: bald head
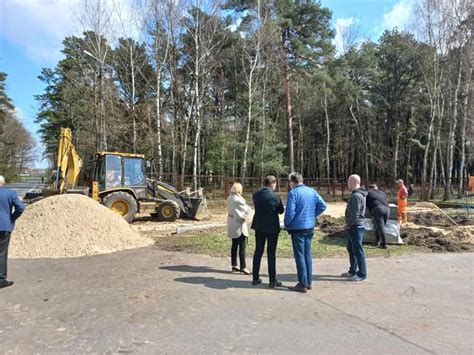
(353, 181)
(2, 180)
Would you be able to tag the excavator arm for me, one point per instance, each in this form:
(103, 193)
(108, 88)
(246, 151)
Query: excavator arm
(68, 164)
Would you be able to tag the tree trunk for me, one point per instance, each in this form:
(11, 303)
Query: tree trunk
(424, 194)
(249, 121)
(132, 101)
(158, 123)
(328, 136)
(408, 163)
(197, 69)
(451, 136)
(463, 134)
(289, 127)
(395, 153)
(103, 131)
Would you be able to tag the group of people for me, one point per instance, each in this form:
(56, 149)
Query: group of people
(304, 205)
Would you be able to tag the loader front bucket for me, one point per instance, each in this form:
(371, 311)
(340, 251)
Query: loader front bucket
(199, 209)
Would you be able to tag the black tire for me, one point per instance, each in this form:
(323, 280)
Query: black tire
(122, 203)
(168, 211)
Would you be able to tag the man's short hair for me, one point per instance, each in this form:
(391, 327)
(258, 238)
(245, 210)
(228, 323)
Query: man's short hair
(270, 180)
(295, 178)
(354, 178)
(373, 186)
(2, 180)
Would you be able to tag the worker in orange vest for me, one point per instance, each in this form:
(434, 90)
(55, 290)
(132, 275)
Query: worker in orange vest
(402, 202)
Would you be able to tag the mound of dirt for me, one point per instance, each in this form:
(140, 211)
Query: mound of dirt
(436, 219)
(440, 240)
(69, 226)
(334, 227)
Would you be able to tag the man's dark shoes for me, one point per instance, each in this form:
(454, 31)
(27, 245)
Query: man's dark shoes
(256, 282)
(5, 283)
(275, 284)
(298, 288)
(382, 246)
(310, 287)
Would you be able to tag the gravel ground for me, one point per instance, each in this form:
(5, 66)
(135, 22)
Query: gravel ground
(146, 300)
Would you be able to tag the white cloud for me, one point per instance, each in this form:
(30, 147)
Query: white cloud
(40, 26)
(398, 16)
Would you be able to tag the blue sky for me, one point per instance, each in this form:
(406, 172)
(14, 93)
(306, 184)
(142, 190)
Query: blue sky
(31, 32)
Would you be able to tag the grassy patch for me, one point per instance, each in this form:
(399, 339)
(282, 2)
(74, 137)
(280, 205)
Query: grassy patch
(217, 244)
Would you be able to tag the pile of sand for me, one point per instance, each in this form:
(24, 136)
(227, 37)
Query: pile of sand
(71, 225)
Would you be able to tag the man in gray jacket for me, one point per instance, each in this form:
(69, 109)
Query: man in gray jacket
(355, 212)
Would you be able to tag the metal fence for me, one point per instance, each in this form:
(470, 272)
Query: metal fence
(218, 186)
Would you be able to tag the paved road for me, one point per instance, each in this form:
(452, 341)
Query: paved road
(147, 300)
(22, 188)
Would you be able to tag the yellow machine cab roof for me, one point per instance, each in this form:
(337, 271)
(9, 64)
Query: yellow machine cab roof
(128, 155)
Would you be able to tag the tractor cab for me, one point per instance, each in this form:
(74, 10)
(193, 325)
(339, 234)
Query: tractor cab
(119, 182)
(119, 170)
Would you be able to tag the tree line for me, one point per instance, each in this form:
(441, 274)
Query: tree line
(17, 146)
(250, 87)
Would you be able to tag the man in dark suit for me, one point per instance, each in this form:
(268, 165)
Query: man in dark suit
(379, 209)
(10, 209)
(267, 227)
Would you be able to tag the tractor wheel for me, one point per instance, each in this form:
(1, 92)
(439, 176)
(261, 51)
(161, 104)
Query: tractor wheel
(168, 211)
(122, 203)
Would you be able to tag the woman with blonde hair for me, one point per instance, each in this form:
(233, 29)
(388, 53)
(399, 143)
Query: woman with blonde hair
(237, 210)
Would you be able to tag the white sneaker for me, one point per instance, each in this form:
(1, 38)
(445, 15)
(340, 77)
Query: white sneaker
(358, 279)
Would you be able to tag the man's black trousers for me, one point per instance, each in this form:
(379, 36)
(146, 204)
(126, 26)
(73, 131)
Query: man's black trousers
(4, 241)
(380, 217)
(272, 240)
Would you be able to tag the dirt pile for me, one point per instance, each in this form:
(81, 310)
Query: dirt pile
(439, 240)
(333, 227)
(71, 225)
(437, 219)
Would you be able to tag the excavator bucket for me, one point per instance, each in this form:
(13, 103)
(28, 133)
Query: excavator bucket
(194, 204)
(199, 208)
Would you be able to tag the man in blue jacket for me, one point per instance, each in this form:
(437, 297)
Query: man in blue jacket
(304, 205)
(10, 209)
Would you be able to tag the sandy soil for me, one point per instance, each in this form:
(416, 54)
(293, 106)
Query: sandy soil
(217, 215)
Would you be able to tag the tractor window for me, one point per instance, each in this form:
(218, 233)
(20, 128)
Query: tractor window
(99, 174)
(134, 172)
(113, 176)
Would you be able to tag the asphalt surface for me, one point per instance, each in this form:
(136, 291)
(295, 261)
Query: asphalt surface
(22, 188)
(147, 300)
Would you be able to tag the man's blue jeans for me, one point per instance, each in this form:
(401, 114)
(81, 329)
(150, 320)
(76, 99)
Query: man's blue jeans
(304, 260)
(355, 236)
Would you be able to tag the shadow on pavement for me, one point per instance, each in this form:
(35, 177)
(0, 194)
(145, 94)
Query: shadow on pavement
(223, 284)
(196, 269)
(316, 278)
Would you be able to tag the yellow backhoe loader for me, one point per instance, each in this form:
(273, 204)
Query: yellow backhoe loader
(119, 181)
